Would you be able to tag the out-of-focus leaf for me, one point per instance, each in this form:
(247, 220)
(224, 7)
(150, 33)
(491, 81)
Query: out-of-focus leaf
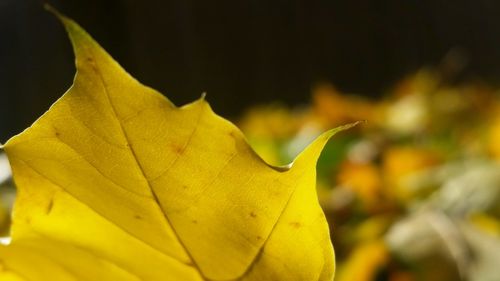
(486, 251)
(399, 162)
(475, 189)
(5, 172)
(430, 238)
(333, 108)
(364, 262)
(364, 179)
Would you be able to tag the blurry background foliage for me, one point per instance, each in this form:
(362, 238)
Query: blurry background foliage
(411, 194)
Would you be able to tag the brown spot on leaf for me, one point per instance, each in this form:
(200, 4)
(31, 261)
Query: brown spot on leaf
(91, 62)
(57, 133)
(253, 214)
(194, 221)
(295, 224)
(177, 148)
(137, 217)
(49, 206)
(259, 237)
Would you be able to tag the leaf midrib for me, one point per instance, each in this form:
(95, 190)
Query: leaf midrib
(155, 196)
(139, 165)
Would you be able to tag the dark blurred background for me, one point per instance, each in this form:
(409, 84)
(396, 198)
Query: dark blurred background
(243, 52)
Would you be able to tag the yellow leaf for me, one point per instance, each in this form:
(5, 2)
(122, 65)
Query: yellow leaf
(364, 262)
(364, 179)
(117, 183)
(400, 162)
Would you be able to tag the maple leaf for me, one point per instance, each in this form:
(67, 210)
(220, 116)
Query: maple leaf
(116, 183)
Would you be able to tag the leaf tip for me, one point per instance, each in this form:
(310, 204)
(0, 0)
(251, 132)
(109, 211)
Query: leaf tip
(309, 156)
(202, 101)
(49, 8)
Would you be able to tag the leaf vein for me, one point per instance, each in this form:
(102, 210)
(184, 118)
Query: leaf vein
(139, 165)
(99, 171)
(100, 214)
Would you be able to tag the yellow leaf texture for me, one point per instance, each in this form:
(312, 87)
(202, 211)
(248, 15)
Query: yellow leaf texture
(116, 183)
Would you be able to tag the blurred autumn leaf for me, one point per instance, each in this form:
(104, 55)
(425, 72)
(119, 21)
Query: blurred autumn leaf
(414, 193)
(116, 183)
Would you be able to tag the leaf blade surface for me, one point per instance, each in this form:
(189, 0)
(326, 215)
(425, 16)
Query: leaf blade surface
(115, 170)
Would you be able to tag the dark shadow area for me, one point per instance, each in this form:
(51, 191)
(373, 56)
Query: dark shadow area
(242, 52)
